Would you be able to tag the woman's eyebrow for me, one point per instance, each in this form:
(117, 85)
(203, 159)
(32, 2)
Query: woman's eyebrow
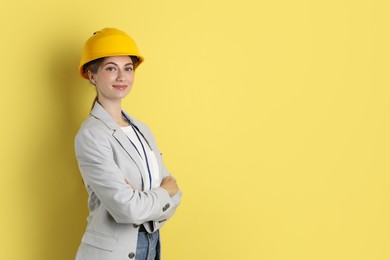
(113, 63)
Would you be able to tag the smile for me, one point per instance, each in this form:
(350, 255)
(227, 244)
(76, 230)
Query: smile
(120, 87)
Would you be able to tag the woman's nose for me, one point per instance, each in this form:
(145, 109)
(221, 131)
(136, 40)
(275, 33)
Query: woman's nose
(119, 76)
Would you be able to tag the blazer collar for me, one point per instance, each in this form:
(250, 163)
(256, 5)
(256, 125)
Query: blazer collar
(101, 114)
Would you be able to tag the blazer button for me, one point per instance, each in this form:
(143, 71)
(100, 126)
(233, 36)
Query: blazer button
(131, 255)
(135, 226)
(166, 207)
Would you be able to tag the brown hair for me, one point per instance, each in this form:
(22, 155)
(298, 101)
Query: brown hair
(93, 65)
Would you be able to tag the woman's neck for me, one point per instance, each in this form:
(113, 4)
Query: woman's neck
(114, 109)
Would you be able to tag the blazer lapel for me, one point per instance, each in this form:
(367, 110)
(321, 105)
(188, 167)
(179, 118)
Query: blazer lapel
(140, 130)
(101, 114)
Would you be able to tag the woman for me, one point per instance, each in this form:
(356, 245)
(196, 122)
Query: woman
(131, 193)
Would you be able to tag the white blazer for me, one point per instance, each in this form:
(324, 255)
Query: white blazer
(106, 158)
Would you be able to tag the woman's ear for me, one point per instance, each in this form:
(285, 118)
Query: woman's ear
(91, 77)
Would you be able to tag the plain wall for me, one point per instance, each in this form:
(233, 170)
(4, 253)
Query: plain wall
(273, 116)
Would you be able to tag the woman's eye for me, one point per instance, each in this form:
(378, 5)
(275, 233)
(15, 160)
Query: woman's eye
(129, 69)
(110, 68)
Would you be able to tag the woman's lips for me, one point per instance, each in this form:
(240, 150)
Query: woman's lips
(120, 87)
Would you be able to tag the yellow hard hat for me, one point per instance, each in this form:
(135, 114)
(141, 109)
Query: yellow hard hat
(108, 42)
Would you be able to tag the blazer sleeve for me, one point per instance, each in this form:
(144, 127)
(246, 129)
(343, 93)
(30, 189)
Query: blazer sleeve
(176, 199)
(100, 172)
(158, 223)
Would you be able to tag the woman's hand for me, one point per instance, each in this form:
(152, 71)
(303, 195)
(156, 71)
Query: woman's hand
(170, 185)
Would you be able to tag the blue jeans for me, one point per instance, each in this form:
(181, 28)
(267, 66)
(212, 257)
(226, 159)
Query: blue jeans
(148, 246)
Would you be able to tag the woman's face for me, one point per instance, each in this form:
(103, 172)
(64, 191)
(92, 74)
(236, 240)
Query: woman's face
(114, 78)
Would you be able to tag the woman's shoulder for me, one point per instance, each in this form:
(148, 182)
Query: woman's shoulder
(92, 126)
(92, 123)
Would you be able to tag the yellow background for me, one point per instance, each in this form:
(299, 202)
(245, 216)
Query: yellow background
(273, 116)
